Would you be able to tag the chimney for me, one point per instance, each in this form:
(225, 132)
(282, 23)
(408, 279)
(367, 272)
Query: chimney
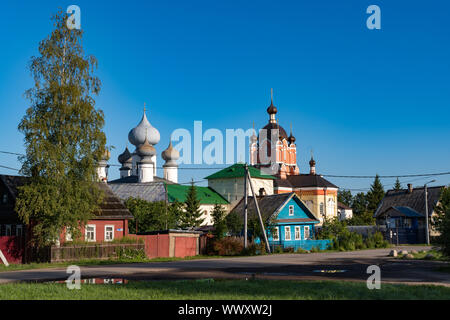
(410, 188)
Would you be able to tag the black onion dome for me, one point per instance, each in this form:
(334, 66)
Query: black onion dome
(291, 138)
(272, 109)
(312, 162)
(125, 156)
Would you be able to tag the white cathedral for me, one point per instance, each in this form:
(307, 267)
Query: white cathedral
(140, 166)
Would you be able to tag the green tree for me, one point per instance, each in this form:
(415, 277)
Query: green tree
(359, 203)
(63, 137)
(151, 216)
(442, 221)
(375, 195)
(234, 223)
(345, 197)
(397, 185)
(191, 215)
(220, 224)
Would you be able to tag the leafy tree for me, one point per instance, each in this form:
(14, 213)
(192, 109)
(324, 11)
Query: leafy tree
(375, 195)
(361, 215)
(234, 223)
(397, 185)
(191, 216)
(345, 197)
(220, 224)
(442, 221)
(359, 203)
(63, 137)
(151, 216)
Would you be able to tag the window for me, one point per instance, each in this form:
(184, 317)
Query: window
(19, 230)
(297, 233)
(68, 234)
(306, 232)
(309, 204)
(5, 198)
(321, 209)
(90, 232)
(287, 233)
(109, 233)
(291, 210)
(276, 235)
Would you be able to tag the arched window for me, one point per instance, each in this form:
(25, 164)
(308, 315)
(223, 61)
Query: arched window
(330, 206)
(321, 209)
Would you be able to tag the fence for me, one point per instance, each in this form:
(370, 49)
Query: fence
(94, 251)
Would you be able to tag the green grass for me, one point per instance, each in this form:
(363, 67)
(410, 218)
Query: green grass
(438, 256)
(223, 289)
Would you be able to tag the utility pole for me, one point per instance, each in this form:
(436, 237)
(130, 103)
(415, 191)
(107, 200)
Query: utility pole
(426, 212)
(259, 212)
(245, 205)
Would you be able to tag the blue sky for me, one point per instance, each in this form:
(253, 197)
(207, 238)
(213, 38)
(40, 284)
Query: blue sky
(366, 101)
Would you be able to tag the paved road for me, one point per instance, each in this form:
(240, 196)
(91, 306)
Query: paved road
(337, 265)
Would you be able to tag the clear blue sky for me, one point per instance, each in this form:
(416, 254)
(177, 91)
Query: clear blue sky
(367, 101)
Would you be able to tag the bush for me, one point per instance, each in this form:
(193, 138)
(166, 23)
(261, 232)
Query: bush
(300, 250)
(254, 249)
(228, 247)
(288, 250)
(315, 249)
(278, 249)
(131, 254)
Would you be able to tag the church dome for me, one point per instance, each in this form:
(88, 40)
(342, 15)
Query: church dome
(146, 149)
(281, 132)
(143, 130)
(272, 109)
(170, 154)
(125, 156)
(291, 138)
(312, 162)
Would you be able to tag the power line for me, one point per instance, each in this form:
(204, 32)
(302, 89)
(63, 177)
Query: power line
(9, 168)
(323, 175)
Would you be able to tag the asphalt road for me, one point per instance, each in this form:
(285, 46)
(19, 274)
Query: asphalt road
(319, 266)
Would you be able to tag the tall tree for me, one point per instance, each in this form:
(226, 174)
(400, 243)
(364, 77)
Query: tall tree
(375, 195)
(191, 215)
(220, 225)
(234, 223)
(63, 136)
(345, 197)
(442, 221)
(397, 185)
(359, 203)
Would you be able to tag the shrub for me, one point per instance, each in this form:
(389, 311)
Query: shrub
(315, 249)
(278, 249)
(228, 246)
(288, 250)
(300, 250)
(131, 254)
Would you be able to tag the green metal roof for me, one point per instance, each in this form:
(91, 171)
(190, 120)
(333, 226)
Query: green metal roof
(206, 195)
(237, 171)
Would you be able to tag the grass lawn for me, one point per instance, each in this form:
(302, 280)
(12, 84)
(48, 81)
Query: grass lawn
(222, 289)
(437, 256)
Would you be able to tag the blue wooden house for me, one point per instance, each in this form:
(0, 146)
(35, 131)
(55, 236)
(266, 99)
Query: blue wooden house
(290, 222)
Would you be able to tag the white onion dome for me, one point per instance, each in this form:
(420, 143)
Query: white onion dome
(170, 155)
(143, 130)
(146, 150)
(125, 157)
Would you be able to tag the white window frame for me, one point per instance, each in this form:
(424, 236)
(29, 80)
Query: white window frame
(276, 234)
(112, 237)
(19, 227)
(306, 230)
(86, 233)
(298, 235)
(287, 232)
(291, 210)
(68, 235)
